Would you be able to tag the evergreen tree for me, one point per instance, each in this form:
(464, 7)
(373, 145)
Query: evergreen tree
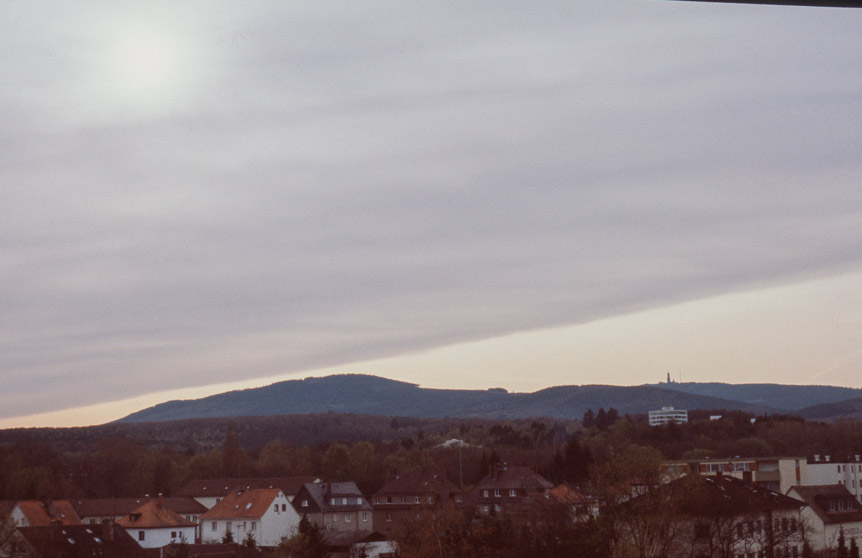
(841, 551)
(602, 419)
(589, 419)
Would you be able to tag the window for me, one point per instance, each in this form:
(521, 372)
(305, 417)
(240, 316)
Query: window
(485, 493)
(416, 500)
(364, 516)
(404, 499)
(359, 501)
(227, 526)
(347, 518)
(284, 507)
(783, 524)
(305, 503)
(141, 535)
(215, 526)
(332, 501)
(485, 509)
(377, 499)
(458, 499)
(276, 508)
(512, 492)
(793, 524)
(254, 525)
(335, 517)
(173, 534)
(497, 492)
(430, 499)
(496, 507)
(388, 516)
(344, 501)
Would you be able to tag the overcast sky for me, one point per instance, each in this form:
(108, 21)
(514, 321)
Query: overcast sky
(234, 193)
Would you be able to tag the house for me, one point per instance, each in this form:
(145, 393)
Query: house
(97, 511)
(846, 470)
(264, 514)
(210, 491)
(36, 513)
(709, 516)
(334, 506)
(74, 541)
(153, 526)
(405, 495)
(831, 510)
(774, 473)
(508, 488)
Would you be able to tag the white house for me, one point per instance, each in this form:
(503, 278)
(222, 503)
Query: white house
(264, 514)
(154, 526)
(210, 492)
(831, 510)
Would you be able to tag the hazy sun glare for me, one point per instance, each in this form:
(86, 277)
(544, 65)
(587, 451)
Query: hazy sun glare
(146, 68)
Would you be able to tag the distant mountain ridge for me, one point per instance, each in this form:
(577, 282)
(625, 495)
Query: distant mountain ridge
(372, 395)
(779, 396)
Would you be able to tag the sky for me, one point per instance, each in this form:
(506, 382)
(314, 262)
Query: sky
(203, 196)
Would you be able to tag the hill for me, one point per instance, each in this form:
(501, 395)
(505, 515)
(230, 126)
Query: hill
(850, 409)
(371, 395)
(778, 396)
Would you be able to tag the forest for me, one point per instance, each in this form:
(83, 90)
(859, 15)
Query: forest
(153, 458)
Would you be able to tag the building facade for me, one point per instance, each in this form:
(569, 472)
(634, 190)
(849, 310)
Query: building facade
(667, 415)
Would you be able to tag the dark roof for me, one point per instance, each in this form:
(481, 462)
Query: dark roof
(322, 493)
(418, 483)
(518, 477)
(67, 541)
(819, 497)
(697, 494)
(220, 487)
(105, 507)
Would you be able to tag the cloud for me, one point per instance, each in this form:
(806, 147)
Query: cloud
(334, 186)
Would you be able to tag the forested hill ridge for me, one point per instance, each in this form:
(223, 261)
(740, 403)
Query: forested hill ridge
(779, 396)
(365, 394)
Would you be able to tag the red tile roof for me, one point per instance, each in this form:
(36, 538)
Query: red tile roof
(41, 514)
(106, 507)
(153, 515)
(243, 504)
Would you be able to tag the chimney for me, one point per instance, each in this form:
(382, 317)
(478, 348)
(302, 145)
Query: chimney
(107, 530)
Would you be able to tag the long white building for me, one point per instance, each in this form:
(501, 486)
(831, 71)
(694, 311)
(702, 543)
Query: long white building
(667, 415)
